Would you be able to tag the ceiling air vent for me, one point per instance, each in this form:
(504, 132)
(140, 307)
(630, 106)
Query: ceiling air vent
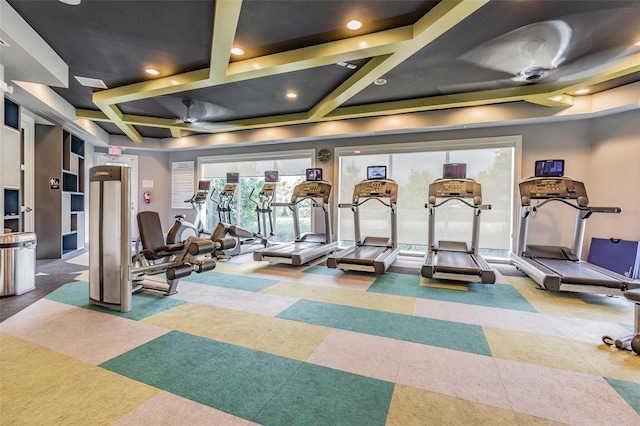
(65, 122)
(91, 82)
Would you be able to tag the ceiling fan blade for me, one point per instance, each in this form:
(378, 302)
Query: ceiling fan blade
(540, 45)
(590, 65)
(198, 110)
(209, 125)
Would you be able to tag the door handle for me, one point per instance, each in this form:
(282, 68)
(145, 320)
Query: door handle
(28, 209)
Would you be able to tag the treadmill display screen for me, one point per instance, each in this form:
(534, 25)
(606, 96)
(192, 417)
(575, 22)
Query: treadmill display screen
(549, 168)
(271, 176)
(233, 177)
(314, 174)
(204, 185)
(376, 172)
(454, 171)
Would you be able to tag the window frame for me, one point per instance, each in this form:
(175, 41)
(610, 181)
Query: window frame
(510, 141)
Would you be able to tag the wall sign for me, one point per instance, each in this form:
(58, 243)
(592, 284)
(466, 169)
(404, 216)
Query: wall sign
(182, 184)
(54, 183)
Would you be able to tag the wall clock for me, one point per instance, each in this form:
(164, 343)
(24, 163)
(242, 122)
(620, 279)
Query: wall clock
(324, 155)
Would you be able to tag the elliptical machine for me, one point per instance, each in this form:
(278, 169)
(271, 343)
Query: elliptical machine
(232, 240)
(183, 229)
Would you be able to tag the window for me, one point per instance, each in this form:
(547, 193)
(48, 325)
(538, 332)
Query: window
(414, 166)
(291, 167)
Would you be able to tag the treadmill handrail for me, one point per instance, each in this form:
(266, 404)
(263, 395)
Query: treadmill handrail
(462, 200)
(347, 205)
(298, 201)
(575, 206)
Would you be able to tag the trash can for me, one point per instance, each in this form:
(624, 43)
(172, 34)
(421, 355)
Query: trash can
(17, 263)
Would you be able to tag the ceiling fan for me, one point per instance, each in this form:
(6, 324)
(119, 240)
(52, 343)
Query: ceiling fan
(563, 49)
(203, 115)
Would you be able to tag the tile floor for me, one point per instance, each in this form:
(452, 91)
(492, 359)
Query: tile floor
(259, 343)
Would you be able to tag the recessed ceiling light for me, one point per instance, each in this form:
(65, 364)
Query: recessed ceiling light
(557, 98)
(292, 95)
(152, 71)
(71, 2)
(354, 25)
(379, 81)
(237, 51)
(582, 91)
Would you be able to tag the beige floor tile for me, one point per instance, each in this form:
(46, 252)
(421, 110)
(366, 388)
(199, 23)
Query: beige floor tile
(166, 409)
(42, 387)
(570, 305)
(410, 406)
(276, 336)
(563, 396)
(240, 300)
(593, 357)
(82, 276)
(82, 259)
(379, 302)
(366, 355)
(90, 336)
(468, 376)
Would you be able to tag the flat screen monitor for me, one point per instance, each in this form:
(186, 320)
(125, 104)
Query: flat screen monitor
(454, 171)
(549, 168)
(376, 172)
(271, 176)
(314, 174)
(233, 177)
(204, 185)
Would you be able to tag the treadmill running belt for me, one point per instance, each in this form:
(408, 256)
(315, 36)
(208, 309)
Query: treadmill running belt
(456, 258)
(363, 255)
(290, 248)
(578, 273)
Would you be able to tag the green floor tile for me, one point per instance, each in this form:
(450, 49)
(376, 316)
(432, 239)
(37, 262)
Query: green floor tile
(629, 391)
(319, 313)
(317, 395)
(446, 334)
(236, 380)
(492, 295)
(239, 282)
(143, 304)
(323, 270)
(397, 284)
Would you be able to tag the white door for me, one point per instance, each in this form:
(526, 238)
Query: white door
(27, 123)
(103, 159)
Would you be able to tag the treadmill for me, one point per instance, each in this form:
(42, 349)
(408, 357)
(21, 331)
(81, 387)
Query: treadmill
(308, 246)
(371, 254)
(559, 268)
(456, 257)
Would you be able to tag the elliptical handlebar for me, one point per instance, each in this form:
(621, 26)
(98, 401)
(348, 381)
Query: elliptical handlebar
(264, 201)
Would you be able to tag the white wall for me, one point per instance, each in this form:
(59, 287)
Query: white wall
(615, 176)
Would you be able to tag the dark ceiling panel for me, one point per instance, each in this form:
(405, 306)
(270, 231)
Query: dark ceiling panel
(255, 98)
(267, 27)
(114, 41)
